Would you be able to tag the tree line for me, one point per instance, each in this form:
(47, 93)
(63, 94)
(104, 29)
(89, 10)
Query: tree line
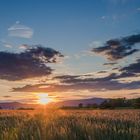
(110, 104)
(120, 103)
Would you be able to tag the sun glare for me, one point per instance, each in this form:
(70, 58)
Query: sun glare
(43, 98)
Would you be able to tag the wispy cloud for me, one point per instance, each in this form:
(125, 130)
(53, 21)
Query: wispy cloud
(95, 44)
(6, 44)
(138, 9)
(118, 1)
(103, 17)
(110, 64)
(113, 17)
(24, 46)
(20, 30)
(76, 83)
(7, 96)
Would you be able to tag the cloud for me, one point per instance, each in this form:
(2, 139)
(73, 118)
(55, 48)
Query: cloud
(103, 17)
(7, 96)
(115, 49)
(95, 44)
(76, 87)
(116, 2)
(103, 71)
(134, 93)
(112, 17)
(24, 46)
(27, 64)
(132, 68)
(110, 64)
(76, 83)
(19, 30)
(6, 44)
(138, 9)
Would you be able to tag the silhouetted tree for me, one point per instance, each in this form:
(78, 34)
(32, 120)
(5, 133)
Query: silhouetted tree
(136, 103)
(80, 105)
(88, 106)
(94, 105)
(105, 104)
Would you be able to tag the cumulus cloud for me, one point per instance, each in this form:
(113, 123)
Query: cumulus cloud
(115, 49)
(27, 64)
(19, 30)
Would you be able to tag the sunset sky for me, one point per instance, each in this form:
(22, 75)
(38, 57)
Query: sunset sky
(69, 49)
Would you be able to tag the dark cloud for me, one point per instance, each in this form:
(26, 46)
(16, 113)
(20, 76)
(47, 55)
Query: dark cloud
(28, 64)
(66, 77)
(132, 68)
(115, 49)
(29, 88)
(116, 68)
(71, 83)
(6, 96)
(110, 64)
(79, 79)
(103, 71)
(94, 86)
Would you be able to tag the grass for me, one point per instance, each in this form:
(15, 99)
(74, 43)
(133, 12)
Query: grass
(70, 125)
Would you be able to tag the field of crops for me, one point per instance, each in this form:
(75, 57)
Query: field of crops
(70, 125)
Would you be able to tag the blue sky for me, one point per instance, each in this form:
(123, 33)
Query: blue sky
(72, 27)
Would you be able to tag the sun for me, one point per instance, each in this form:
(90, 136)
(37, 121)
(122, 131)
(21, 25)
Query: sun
(43, 98)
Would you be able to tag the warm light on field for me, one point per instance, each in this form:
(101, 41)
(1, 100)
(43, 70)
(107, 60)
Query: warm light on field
(43, 98)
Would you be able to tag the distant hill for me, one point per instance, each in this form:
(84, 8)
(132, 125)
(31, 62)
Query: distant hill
(67, 103)
(85, 102)
(16, 105)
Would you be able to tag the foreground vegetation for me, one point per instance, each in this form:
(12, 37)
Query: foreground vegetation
(70, 125)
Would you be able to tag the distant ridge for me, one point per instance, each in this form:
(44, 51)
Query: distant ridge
(16, 105)
(85, 102)
(67, 103)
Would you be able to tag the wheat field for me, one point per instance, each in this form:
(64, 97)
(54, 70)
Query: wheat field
(70, 125)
